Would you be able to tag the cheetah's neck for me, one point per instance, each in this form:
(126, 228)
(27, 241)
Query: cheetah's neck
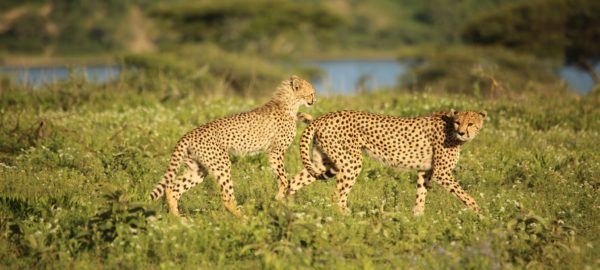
(284, 100)
(286, 108)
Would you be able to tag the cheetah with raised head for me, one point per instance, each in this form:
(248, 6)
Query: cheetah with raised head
(430, 145)
(206, 149)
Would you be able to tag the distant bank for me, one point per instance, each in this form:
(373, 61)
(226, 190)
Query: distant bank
(340, 76)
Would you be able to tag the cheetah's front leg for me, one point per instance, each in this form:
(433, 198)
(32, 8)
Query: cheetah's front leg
(446, 180)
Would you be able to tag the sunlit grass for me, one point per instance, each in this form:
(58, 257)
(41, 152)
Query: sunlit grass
(73, 193)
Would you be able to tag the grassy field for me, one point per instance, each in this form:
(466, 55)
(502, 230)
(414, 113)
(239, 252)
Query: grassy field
(77, 163)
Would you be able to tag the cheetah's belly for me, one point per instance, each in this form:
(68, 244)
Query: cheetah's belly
(248, 150)
(401, 150)
(243, 135)
(256, 136)
(403, 158)
(248, 144)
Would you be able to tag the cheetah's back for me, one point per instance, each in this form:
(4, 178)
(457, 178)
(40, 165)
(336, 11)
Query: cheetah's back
(400, 142)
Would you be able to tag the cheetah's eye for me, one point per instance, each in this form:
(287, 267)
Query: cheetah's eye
(458, 123)
(470, 124)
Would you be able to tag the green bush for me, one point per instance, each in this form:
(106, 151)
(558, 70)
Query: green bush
(26, 34)
(556, 29)
(66, 27)
(259, 26)
(209, 69)
(480, 71)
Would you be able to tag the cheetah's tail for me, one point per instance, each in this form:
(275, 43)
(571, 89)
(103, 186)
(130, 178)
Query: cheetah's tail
(307, 137)
(174, 163)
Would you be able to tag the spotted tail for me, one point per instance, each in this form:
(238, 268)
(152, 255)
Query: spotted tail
(307, 137)
(178, 154)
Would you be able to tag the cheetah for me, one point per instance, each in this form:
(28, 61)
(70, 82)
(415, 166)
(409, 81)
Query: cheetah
(429, 144)
(206, 149)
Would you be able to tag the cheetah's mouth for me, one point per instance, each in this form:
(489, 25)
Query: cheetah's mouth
(463, 138)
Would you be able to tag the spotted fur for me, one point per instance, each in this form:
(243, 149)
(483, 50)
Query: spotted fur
(206, 149)
(430, 145)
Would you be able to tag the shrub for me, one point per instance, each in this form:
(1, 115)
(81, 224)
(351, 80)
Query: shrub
(480, 71)
(261, 26)
(208, 68)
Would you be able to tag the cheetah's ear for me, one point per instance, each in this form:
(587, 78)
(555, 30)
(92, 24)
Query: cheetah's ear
(483, 114)
(295, 82)
(453, 114)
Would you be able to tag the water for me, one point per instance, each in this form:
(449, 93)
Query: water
(38, 76)
(578, 80)
(351, 76)
(340, 76)
(344, 76)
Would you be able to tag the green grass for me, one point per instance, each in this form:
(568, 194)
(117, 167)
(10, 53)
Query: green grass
(73, 191)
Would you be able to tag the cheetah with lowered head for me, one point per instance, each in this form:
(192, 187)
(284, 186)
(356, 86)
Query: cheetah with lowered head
(206, 149)
(429, 144)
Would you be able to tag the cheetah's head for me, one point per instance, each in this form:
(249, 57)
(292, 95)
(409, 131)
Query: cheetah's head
(467, 124)
(303, 91)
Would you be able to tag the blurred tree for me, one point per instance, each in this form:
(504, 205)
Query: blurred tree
(68, 26)
(559, 29)
(480, 71)
(27, 33)
(256, 25)
(88, 25)
(448, 18)
(445, 18)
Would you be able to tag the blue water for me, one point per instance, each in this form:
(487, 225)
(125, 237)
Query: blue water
(38, 76)
(351, 76)
(578, 80)
(339, 76)
(343, 76)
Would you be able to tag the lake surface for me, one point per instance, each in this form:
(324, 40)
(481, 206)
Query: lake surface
(38, 76)
(339, 76)
(351, 76)
(578, 80)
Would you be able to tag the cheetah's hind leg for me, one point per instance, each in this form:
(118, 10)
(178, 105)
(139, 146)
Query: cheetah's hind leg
(323, 163)
(219, 166)
(194, 174)
(303, 178)
(347, 178)
(423, 178)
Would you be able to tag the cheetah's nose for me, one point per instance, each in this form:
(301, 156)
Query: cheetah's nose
(461, 133)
